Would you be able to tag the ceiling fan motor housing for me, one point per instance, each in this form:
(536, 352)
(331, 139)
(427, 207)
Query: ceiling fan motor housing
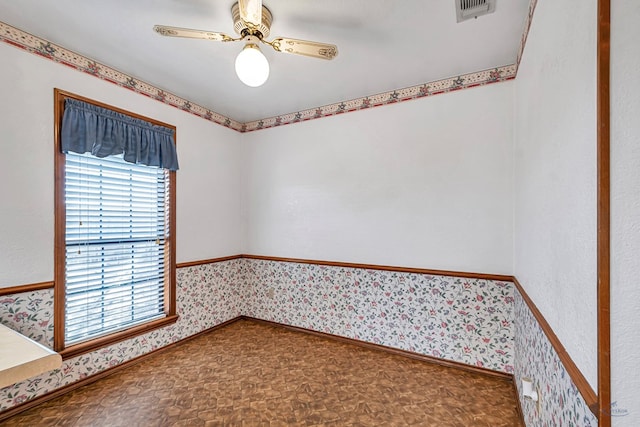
(241, 27)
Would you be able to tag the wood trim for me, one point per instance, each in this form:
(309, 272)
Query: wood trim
(59, 224)
(499, 277)
(170, 302)
(604, 212)
(390, 350)
(576, 376)
(96, 343)
(26, 288)
(207, 261)
(93, 378)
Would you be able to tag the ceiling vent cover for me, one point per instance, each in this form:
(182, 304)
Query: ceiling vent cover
(467, 9)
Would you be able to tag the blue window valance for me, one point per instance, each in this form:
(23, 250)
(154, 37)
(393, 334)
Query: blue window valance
(88, 128)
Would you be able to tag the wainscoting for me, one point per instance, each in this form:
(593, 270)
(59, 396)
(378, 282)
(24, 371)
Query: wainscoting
(481, 322)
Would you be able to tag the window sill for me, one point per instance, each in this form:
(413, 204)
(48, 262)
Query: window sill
(88, 346)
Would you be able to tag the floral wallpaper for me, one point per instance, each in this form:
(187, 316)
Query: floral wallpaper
(561, 404)
(206, 296)
(464, 320)
(31, 314)
(479, 322)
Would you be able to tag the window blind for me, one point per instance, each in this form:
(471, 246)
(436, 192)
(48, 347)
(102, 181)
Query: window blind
(116, 236)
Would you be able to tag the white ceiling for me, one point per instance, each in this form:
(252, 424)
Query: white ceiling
(383, 45)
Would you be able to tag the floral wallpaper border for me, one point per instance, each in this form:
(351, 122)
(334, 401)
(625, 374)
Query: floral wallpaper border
(525, 33)
(41, 47)
(561, 404)
(56, 53)
(464, 81)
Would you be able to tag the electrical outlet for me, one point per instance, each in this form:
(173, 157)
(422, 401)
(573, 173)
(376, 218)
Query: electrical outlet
(531, 392)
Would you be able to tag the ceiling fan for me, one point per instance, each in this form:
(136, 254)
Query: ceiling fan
(252, 21)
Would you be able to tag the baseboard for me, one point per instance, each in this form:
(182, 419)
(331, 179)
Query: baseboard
(391, 350)
(109, 371)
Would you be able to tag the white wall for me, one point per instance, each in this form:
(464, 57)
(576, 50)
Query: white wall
(555, 174)
(425, 183)
(208, 183)
(625, 210)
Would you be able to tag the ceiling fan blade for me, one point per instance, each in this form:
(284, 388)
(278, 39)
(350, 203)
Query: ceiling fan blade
(304, 47)
(192, 34)
(251, 11)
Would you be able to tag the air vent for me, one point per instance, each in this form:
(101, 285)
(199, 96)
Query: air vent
(467, 9)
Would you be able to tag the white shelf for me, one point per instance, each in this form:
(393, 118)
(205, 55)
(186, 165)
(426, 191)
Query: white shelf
(22, 358)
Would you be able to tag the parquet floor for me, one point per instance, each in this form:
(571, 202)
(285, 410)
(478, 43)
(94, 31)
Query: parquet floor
(251, 374)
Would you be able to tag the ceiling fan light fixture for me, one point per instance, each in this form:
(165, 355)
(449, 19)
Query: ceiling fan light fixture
(252, 66)
(252, 21)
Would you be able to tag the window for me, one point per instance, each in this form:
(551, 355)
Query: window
(115, 261)
(114, 245)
